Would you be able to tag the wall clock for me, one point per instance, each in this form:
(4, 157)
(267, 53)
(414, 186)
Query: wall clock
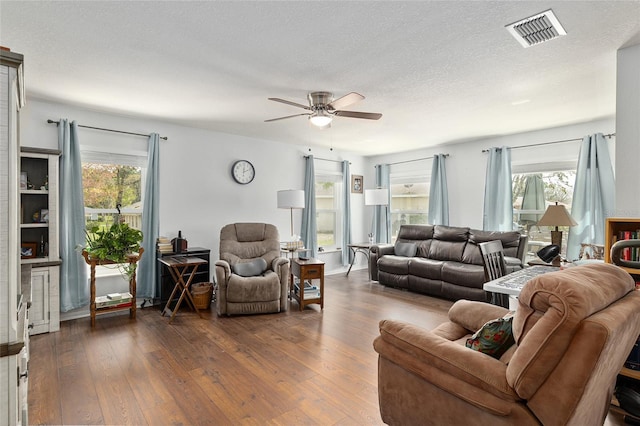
(243, 172)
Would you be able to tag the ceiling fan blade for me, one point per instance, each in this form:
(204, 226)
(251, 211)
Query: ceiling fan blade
(284, 101)
(282, 118)
(348, 99)
(356, 114)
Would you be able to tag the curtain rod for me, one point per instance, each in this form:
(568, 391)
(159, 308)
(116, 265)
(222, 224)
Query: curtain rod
(325, 159)
(107, 130)
(416, 159)
(610, 135)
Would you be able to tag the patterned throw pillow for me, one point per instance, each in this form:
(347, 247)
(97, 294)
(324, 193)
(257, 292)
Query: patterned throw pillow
(494, 338)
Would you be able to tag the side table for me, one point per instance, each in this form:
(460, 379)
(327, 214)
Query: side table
(304, 270)
(363, 248)
(131, 305)
(179, 267)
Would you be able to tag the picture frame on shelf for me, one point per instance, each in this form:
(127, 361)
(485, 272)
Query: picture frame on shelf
(28, 250)
(44, 215)
(357, 184)
(23, 180)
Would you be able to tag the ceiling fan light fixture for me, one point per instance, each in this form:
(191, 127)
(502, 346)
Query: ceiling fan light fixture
(320, 118)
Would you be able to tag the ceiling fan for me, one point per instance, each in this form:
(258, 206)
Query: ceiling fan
(322, 108)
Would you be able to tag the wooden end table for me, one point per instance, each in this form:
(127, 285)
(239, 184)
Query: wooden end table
(307, 270)
(179, 267)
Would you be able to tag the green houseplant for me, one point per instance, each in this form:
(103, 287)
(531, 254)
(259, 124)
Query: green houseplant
(116, 244)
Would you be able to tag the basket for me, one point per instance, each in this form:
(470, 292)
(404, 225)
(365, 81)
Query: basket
(202, 293)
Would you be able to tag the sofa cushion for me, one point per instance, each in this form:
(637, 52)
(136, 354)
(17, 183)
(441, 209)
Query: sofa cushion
(448, 243)
(250, 268)
(463, 274)
(415, 232)
(405, 249)
(394, 264)
(262, 288)
(426, 268)
(494, 338)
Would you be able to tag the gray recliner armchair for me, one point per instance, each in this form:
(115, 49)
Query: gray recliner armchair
(252, 277)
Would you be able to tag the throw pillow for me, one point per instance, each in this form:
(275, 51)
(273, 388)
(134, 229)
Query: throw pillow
(494, 338)
(251, 268)
(405, 249)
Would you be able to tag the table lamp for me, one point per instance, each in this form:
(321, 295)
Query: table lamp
(556, 215)
(291, 199)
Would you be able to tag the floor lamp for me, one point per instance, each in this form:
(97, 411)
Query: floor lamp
(376, 197)
(291, 199)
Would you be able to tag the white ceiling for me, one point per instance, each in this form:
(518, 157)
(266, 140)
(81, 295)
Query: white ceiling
(438, 71)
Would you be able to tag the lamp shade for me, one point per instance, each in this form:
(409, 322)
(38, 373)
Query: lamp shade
(376, 197)
(291, 199)
(556, 215)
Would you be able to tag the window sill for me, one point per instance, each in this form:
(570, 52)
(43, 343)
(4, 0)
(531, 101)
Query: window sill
(330, 251)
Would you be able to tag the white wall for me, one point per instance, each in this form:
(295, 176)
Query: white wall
(466, 164)
(197, 193)
(628, 132)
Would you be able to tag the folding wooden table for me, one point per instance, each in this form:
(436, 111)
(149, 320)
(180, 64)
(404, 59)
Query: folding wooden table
(179, 267)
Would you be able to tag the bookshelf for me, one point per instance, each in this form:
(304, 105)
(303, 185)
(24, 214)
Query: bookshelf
(39, 234)
(613, 227)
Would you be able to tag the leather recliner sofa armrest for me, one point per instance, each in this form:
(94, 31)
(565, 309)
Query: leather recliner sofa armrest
(375, 253)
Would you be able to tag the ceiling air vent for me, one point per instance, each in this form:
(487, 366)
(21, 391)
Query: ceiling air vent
(536, 29)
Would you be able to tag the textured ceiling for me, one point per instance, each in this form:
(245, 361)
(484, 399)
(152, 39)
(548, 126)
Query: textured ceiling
(439, 72)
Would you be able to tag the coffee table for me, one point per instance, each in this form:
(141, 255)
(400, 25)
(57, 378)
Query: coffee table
(513, 283)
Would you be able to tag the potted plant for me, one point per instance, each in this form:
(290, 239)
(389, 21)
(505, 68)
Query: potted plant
(118, 244)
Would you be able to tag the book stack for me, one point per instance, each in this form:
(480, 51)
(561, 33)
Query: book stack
(114, 300)
(164, 245)
(311, 291)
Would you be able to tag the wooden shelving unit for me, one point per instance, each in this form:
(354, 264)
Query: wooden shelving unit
(131, 259)
(613, 226)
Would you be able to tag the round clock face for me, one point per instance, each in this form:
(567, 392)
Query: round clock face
(243, 172)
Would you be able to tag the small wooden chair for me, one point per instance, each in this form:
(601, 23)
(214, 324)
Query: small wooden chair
(494, 268)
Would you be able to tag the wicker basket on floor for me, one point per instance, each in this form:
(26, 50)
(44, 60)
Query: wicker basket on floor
(202, 293)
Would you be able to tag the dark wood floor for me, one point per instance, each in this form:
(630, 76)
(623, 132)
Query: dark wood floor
(294, 368)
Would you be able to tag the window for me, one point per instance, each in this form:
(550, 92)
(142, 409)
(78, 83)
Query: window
(529, 206)
(329, 210)
(110, 180)
(409, 202)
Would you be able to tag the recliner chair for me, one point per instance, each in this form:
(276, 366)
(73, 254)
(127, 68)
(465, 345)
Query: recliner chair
(252, 278)
(573, 331)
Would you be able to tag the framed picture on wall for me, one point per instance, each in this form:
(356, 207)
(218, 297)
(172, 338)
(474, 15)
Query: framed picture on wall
(357, 184)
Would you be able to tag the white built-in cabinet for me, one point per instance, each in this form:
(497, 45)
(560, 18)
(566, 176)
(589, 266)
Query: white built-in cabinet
(14, 285)
(39, 235)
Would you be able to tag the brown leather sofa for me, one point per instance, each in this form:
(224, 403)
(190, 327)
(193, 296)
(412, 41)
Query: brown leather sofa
(447, 262)
(573, 331)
